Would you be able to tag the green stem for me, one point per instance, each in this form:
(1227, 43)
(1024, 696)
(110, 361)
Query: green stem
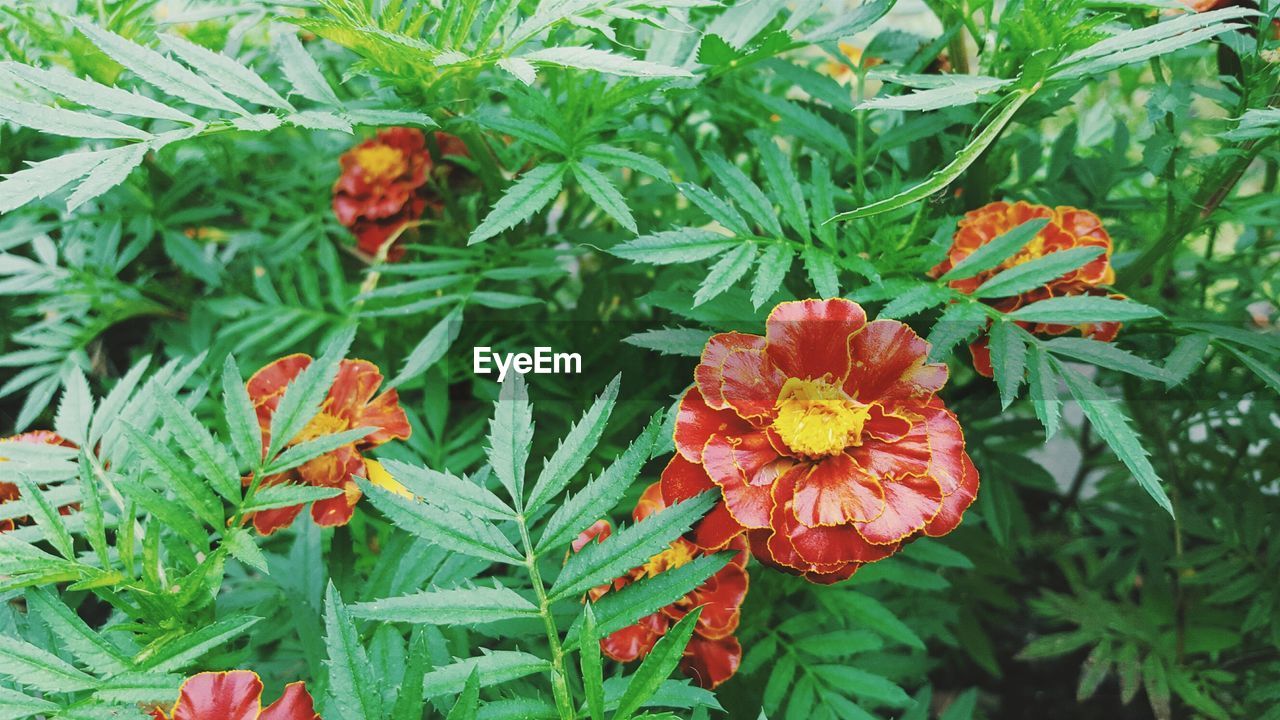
(559, 678)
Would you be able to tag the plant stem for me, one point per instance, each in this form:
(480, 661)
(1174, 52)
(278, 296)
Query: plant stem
(559, 679)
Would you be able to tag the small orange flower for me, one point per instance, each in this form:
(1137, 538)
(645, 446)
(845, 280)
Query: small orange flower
(9, 491)
(713, 653)
(825, 438)
(236, 695)
(1068, 228)
(381, 185)
(349, 404)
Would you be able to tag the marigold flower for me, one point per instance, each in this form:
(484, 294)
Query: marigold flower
(349, 404)
(1068, 228)
(825, 438)
(713, 653)
(9, 491)
(236, 695)
(381, 185)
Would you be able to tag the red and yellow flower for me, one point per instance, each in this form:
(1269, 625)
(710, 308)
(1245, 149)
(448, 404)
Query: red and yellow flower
(825, 438)
(381, 189)
(350, 403)
(9, 491)
(1068, 228)
(236, 695)
(713, 653)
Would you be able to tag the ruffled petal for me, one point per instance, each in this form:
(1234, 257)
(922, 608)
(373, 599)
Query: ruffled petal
(696, 422)
(711, 662)
(745, 469)
(709, 374)
(353, 387)
(599, 531)
(234, 695)
(649, 503)
(946, 447)
(635, 641)
(890, 363)
(909, 455)
(269, 382)
(886, 426)
(809, 339)
(980, 349)
(294, 704)
(384, 413)
(750, 383)
(837, 491)
(808, 548)
(954, 505)
(721, 601)
(910, 503)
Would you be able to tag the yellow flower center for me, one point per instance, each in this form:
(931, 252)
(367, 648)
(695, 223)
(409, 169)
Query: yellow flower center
(678, 555)
(380, 161)
(817, 419)
(322, 424)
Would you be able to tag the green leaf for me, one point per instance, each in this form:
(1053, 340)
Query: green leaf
(75, 408)
(687, 342)
(971, 90)
(586, 58)
(270, 497)
(1076, 309)
(302, 397)
(626, 158)
(915, 299)
(458, 606)
(88, 646)
(822, 272)
(1008, 360)
(15, 705)
(68, 123)
(725, 272)
(572, 452)
(1106, 355)
(447, 490)
(592, 671)
(172, 473)
(157, 69)
(604, 194)
(187, 647)
(448, 529)
(315, 447)
(783, 184)
(774, 264)
(115, 167)
(1113, 426)
(302, 71)
(46, 516)
(209, 456)
(240, 543)
(940, 179)
(629, 547)
(140, 688)
(871, 613)
(242, 419)
(172, 514)
(1042, 383)
(532, 192)
(91, 494)
(351, 681)
(382, 117)
(682, 245)
(495, 667)
(430, 349)
(962, 707)
(745, 193)
(657, 665)
(716, 208)
(95, 95)
(958, 323)
(468, 700)
(1133, 46)
(1264, 371)
(511, 436)
(46, 177)
(600, 494)
(864, 684)
(228, 75)
(997, 251)
(1035, 273)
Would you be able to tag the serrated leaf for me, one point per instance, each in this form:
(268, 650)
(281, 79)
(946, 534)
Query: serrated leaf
(604, 195)
(523, 71)
(1076, 309)
(682, 245)
(448, 529)
(114, 168)
(725, 272)
(381, 117)
(997, 251)
(95, 95)
(47, 518)
(496, 667)
(745, 193)
(351, 678)
(208, 455)
(446, 490)
(915, 299)
(68, 123)
(302, 397)
(587, 58)
(1106, 355)
(174, 474)
(430, 349)
(298, 454)
(716, 208)
(1042, 384)
(629, 547)
(302, 71)
(270, 497)
(958, 323)
(774, 264)
(572, 452)
(88, 646)
(592, 670)
(1035, 273)
(242, 419)
(686, 342)
(532, 192)
(187, 647)
(468, 703)
(822, 272)
(511, 436)
(15, 705)
(75, 408)
(657, 665)
(46, 177)
(228, 75)
(1008, 360)
(458, 606)
(240, 543)
(784, 184)
(622, 157)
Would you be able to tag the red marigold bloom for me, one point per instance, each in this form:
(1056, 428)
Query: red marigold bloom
(236, 695)
(380, 188)
(1068, 228)
(825, 438)
(9, 491)
(349, 404)
(713, 653)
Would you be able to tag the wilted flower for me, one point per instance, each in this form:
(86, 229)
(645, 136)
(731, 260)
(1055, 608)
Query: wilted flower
(825, 438)
(349, 404)
(380, 189)
(1068, 228)
(713, 653)
(9, 491)
(236, 695)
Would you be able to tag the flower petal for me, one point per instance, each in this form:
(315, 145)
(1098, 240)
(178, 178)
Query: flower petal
(889, 362)
(635, 641)
(836, 491)
(708, 373)
(682, 480)
(270, 381)
(910, 503)
(750, 383)
(954, 505)
(907, 456)
(384, 413)
(815, 546)
(353, 387)
(721, 599)
(649, 503)
(946, 447)
(696, 422)
(809, 339)
(745, 468)
(599, 531)
(234, 695)
(294, 704)
(711, 662)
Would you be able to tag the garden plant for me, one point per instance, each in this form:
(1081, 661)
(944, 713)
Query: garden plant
(610, 359)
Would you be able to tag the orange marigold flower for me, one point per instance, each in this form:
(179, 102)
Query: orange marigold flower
(349, 404)
(825, 438)
(381, 185)
(236, 695)
(1068, 228)
(9, 491)
(713, 653)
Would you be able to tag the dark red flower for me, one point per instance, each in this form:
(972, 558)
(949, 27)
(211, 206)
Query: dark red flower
(825, 438)
(236, 695)
(349, 404)
(713, 653)
(381, 185)
(9, 491)
(1068, 228)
